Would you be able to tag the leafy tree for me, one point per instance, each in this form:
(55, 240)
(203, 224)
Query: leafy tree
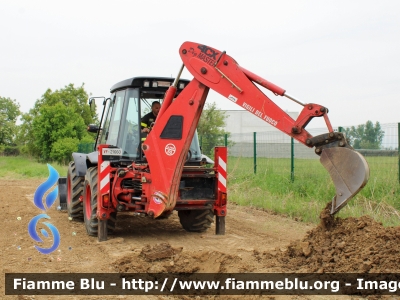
(70, 96)
(55, 123)
(365, 136)
(9, 112)
(62, 149)
(58, 119)
(210, 128)
(25, 138)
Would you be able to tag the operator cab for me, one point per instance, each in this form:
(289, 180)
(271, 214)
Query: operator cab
(131, 100)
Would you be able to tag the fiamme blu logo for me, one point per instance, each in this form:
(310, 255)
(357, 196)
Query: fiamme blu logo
(44, 205)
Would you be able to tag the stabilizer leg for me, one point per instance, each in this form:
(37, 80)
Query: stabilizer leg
(102, 231)
(220, 225)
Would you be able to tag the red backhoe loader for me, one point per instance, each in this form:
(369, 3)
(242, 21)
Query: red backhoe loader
(166, 171)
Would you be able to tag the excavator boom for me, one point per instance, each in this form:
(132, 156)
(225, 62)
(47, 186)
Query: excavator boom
(217, 70)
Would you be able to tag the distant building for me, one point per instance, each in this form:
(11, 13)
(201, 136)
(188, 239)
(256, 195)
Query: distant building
(242, 121)
(241, 124)
(270, 141)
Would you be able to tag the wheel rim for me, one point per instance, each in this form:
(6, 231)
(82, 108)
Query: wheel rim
(88, 200)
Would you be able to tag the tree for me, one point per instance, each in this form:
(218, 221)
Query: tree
(25, 139)
(59, 119)
(210, 128)
(70, 96)
(365, 136)
(9, 112)
(55, 123)
(62, 149)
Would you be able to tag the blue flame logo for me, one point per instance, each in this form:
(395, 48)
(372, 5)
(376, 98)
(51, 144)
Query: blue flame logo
(38, 201)
(32, 232)
(44, 187)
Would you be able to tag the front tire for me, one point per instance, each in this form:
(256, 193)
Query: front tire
(90, 205)
(196, 220)
(74, 192)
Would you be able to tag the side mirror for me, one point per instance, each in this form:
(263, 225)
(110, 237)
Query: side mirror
(92, 104)
(93, 128)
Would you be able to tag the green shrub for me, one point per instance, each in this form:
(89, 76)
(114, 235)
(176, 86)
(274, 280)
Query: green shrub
(62, 149)
(9, 150)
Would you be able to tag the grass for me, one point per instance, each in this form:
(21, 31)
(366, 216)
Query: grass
(272, 189)
(21, 168)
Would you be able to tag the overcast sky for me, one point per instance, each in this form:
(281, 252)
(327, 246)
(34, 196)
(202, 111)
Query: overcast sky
(344, 55)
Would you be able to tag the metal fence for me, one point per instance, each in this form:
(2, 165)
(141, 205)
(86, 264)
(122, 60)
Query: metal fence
(86, 148)
(276, 152)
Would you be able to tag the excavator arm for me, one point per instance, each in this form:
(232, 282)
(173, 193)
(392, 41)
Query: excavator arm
(178, 119)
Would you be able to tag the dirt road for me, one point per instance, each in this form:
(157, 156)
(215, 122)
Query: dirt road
(255, 242)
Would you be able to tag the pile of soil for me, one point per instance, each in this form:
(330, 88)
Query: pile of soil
(163, 258)
(351, 245)
(159, 251)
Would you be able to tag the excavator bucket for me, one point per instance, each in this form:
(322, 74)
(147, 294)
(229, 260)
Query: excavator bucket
(349, 172)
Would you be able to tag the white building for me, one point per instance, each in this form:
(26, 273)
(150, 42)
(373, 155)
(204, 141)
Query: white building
(271, 142)
(241, 124)
(242, 121)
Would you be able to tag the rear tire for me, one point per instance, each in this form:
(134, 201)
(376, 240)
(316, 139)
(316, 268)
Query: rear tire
(196, 220)
(74, 192)
(90, 205)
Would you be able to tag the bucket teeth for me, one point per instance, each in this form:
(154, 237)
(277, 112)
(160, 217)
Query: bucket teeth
(349, 172)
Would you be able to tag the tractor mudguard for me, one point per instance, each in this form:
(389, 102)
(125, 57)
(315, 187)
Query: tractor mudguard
(93, 158)
(80, 163)
(84, 161)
